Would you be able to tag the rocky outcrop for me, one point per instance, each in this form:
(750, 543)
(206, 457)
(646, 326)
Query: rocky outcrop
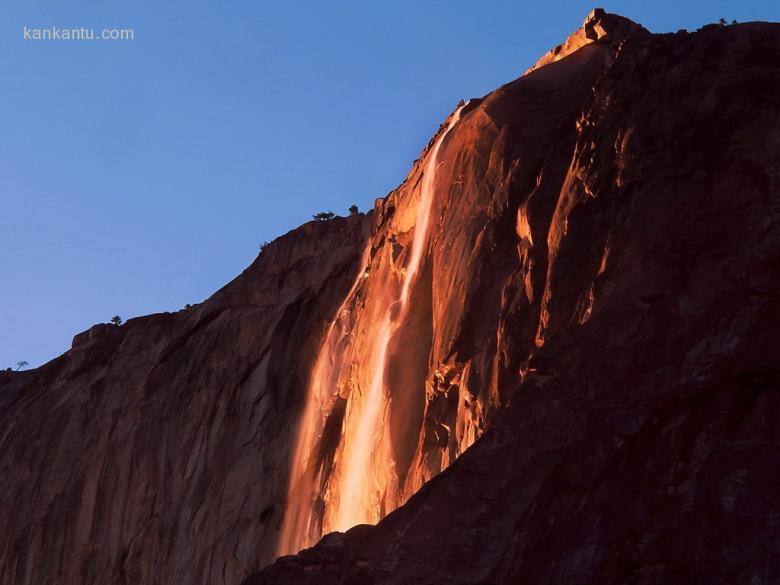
(587, 347)
(620, 292)
(598, 27)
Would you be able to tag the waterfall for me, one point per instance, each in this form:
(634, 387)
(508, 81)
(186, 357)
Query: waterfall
(361, 485)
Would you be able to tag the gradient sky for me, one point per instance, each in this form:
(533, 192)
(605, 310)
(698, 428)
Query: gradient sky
(136, 177)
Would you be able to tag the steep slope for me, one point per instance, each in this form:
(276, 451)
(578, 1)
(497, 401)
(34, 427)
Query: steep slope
(156, 452)
(622, 288)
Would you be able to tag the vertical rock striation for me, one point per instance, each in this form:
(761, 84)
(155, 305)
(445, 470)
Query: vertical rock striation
(416, 362)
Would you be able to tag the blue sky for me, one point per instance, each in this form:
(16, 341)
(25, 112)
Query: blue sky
(138, 176)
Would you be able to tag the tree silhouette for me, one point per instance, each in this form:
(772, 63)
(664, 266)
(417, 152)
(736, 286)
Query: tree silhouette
(21, 364)
(354, 210)
(324, 215)
(116, 320)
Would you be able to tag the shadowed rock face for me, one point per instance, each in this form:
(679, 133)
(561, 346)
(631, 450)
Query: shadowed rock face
(597, 307)
(157, 452)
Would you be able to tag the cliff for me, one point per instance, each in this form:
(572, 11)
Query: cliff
(603, 262)
(156, 452)
(551, 355)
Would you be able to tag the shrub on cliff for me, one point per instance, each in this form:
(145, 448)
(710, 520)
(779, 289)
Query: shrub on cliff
(324, 215)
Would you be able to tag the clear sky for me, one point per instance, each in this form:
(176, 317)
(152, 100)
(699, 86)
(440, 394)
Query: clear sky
(138, 176)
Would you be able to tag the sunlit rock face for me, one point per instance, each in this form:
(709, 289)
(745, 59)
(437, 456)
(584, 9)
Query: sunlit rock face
(598, 307)
(417, 359)
(599, 26)
(552, 350)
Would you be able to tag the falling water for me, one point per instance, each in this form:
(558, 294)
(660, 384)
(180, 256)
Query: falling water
(362, 481)
(299, 528)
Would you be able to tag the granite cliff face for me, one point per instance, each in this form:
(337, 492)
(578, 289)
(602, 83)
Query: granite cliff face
(570, 307)
(157, 452)
(604, 262)
(424, 351)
